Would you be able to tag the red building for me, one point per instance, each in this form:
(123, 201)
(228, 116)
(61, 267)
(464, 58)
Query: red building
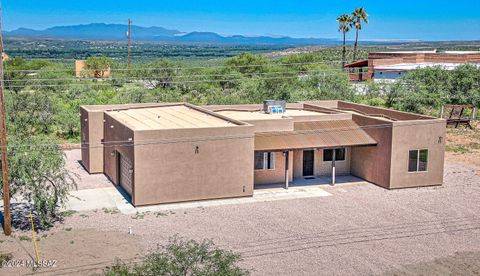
(392, 65)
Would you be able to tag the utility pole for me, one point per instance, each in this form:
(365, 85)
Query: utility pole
(129, 32)
(3, 144)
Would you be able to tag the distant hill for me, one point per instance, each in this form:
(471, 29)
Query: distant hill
(95, 31)
(102, 31)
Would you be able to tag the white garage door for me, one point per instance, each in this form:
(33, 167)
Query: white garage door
(125, 178)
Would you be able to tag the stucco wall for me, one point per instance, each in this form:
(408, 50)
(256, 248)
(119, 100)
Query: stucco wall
(418, 135)
(325, 168)
(116, 139)
(85, 139)
(174, 171)
(91, 134)
(321, 168)
(276, 175)
(372, 163)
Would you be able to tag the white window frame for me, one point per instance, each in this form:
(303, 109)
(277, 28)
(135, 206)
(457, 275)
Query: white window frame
(265, 161)
(418, 160)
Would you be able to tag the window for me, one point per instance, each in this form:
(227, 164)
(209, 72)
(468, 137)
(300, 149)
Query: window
(264, 160)
(417, 160)
(339, 154)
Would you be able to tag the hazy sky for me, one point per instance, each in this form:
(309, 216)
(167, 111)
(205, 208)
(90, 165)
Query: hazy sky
(407, 19)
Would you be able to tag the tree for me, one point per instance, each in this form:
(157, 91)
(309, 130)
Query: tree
(159, 73)
(344, 23)
(38, 175)
(97, 66)
(359, 15)
(247, 63)
(37, 164)
(184, 257)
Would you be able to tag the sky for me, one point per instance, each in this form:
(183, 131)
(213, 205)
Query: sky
(407, 19)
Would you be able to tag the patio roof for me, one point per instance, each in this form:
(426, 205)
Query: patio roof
(359, 63)
(315, 134)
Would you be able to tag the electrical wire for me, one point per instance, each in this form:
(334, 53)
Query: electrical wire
(171, 76)
(132, 143)
(174, 82)
(180, 68)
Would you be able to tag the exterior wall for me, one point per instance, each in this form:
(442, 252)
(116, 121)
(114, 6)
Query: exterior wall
(174, 172)
(276, 175)
(91, 139)
(85, 139)
(285, 124)
(115, 141)
(372, 163)
(409, 136)
(388, 75)
(325, 104)
(92, 132)
(321, 168)
(398, 115)
(325, 168)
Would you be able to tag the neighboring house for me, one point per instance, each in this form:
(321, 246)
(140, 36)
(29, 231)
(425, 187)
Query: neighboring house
(177, 152)
(393, 65)
(80, 66)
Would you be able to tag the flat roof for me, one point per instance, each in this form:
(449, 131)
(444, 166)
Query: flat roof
(168, 117)
(412, 66)
(245, 115)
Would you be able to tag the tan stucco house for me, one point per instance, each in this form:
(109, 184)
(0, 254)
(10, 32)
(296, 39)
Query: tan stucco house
(175, 152)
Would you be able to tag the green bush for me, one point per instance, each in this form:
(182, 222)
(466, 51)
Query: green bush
(183, 257)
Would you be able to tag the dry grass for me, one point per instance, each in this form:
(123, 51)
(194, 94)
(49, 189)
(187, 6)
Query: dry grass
(463, 145)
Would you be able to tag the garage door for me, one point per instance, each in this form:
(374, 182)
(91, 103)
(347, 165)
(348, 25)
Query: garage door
(125, 178)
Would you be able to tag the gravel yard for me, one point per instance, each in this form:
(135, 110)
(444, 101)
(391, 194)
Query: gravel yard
(360, 229)
(85, 180)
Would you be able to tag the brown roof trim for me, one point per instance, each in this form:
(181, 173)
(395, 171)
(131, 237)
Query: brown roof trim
(359, 63)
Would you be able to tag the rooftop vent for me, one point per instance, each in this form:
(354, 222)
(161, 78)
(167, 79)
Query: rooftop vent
(274, 106)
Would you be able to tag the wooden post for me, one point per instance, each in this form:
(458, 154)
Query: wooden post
(34, 235)
(333, 166)
(286, 169)
(3, 145)
(129, 35)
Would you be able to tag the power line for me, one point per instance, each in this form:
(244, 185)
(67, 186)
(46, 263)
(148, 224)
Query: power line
(131, 143)
(181, 68)
(172, 76)
(177, 82)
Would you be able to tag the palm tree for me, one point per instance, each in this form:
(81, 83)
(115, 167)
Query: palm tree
(344, 24)
(359, 15)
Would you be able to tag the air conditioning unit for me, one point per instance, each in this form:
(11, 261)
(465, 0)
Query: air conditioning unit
(275, 109)
(274, 106)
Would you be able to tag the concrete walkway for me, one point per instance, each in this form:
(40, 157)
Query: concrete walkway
(116, 199)
(112, 198)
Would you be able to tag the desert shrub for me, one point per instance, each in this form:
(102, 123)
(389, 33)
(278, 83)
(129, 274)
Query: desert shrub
(183, 257)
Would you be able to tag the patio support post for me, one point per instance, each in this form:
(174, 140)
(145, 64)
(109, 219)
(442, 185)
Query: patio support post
(333, 167)
(286, 169)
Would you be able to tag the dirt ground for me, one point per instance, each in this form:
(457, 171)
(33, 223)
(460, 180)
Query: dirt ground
(463, 145)
(359, 230)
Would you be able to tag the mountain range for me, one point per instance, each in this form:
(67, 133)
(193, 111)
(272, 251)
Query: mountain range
(102, 31)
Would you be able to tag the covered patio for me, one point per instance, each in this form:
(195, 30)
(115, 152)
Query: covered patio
(312, 153)
(313, 181)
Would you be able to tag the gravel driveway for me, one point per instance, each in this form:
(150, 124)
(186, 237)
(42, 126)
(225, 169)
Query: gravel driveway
(359, 230)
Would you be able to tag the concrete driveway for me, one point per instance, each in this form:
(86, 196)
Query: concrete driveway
(95, 192)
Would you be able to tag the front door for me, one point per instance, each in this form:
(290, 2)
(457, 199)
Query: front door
(307, 162)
